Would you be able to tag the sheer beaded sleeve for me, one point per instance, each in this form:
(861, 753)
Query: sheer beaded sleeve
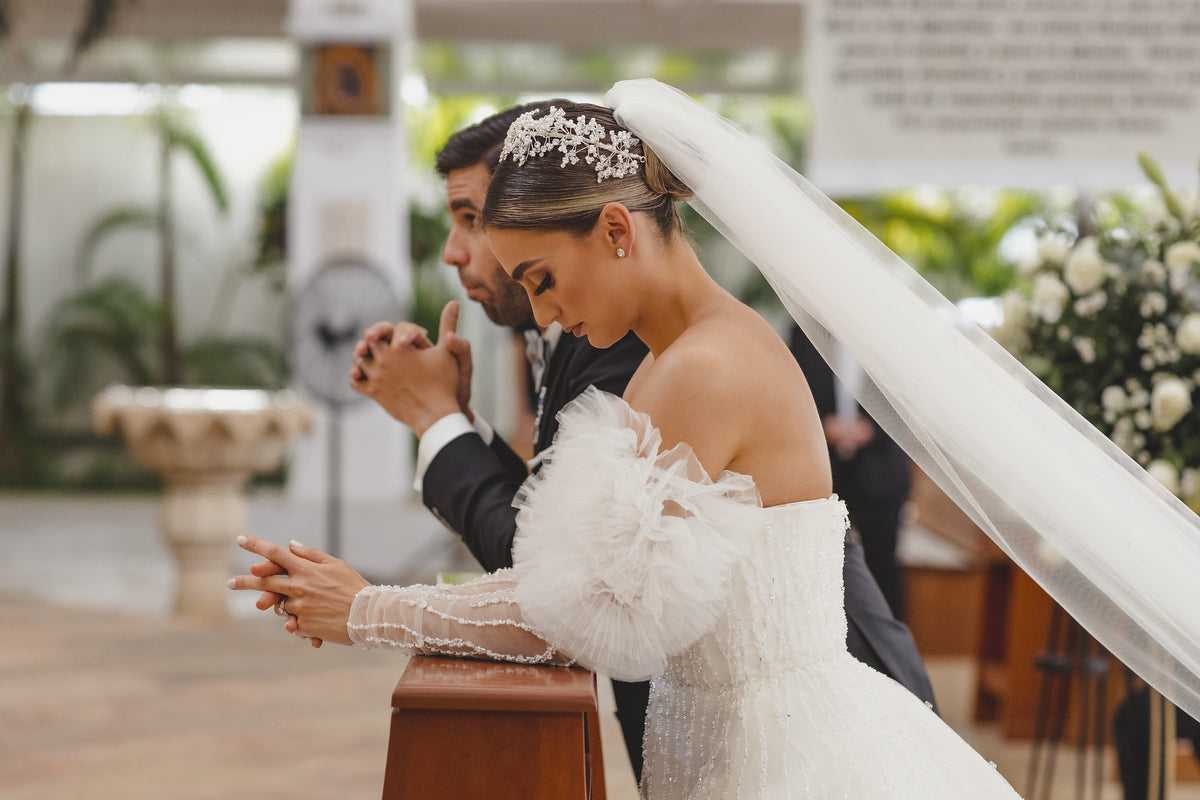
(622, 551)
(478, 619)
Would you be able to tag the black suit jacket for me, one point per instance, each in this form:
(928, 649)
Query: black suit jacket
(470, 486)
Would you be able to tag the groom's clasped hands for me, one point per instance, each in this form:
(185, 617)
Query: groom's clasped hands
(412, 379)
(415, 381)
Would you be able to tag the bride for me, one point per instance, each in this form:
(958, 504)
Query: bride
(686, 531)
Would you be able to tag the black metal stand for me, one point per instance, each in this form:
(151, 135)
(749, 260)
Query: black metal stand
(1070, 652)
(333, 500)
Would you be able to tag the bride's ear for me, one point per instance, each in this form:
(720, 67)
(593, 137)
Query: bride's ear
(616, 228)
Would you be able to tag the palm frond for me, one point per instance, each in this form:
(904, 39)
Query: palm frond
(239, 361)
(118, 219)
(194, 146)
(271, 247)
(113, 323)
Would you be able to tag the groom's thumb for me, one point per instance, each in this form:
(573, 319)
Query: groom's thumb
(449, 321)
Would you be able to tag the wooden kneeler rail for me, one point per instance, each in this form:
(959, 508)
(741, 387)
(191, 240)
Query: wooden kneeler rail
(492, 731)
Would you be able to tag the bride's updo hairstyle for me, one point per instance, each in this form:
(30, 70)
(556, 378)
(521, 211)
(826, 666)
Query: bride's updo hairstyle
(544, 194)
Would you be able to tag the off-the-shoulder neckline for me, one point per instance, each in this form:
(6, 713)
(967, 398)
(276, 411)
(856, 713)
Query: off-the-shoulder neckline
(725, 474)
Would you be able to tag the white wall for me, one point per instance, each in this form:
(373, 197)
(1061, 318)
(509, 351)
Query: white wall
(80, 167)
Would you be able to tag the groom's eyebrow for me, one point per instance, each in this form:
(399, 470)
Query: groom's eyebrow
(522, 267)
(455, 205)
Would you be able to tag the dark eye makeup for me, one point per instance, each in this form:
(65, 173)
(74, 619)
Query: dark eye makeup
(547, 283)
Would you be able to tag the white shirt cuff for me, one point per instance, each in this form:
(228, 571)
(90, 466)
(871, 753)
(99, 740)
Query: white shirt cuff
(440, 434)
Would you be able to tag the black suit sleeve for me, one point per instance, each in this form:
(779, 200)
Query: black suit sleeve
(470, 487)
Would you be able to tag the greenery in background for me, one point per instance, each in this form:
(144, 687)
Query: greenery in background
(174, 138)
(1111, 323)
(22, 461)
(952, 238)
(134, 335)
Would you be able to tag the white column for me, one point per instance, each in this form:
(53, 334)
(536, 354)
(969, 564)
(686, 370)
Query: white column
(347, 200)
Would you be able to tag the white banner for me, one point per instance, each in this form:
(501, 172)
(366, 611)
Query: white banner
(1002, 92)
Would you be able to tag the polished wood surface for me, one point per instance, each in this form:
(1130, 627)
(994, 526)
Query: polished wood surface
(479, 729)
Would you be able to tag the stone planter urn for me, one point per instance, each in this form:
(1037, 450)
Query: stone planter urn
(206, 443)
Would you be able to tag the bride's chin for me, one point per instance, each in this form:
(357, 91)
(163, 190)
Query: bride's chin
(600, 339)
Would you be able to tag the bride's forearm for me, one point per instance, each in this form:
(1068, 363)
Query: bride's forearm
(480, 619)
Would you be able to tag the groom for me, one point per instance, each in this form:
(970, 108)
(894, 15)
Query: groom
(468, 476)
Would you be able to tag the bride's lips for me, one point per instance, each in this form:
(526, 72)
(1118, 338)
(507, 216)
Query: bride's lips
(576, 330)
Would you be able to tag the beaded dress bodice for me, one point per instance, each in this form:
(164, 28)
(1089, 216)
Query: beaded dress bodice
(785, 599)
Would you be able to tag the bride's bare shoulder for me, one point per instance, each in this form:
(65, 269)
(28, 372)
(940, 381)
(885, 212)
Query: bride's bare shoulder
(695, 390)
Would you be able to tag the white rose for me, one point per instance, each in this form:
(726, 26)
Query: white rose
(1014, 308)
(1188, 482)
(1091, 304)
(1086, 349)
(1028, 264)
(1143, 420)
(1114, 399)
(1154, 272)
(1182, 255)
(1049, 296)
(1187, 336)
(1122, 435)
(1085, 269)
(1153, 304)
(1165, 473)
(1170, 401)
(1053, 247)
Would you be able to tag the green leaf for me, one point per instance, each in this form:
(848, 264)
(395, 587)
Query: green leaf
(1154, 173)
(239, 361)
(112, 323)
(191, 143)
(113, 221)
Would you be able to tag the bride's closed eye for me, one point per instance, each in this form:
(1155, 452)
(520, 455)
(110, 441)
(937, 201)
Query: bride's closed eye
(547, 283)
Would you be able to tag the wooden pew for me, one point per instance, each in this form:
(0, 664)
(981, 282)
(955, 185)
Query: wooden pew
(485, 730)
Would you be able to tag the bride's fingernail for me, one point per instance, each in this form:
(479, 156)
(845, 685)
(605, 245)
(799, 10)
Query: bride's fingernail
(242, 540)
(294, 543)
(231, 583)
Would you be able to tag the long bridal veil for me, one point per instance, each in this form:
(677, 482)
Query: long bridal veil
(1112, 546)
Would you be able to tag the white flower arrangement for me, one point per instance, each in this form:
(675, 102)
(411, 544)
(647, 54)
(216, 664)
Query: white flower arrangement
(1111, 322)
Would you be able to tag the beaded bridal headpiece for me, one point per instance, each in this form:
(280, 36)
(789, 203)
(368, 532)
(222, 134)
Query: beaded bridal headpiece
(584, 137)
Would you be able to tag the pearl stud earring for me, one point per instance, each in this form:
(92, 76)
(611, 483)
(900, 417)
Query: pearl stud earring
(620, 252)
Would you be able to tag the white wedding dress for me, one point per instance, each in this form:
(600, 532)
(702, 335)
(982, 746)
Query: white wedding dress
(635, 564)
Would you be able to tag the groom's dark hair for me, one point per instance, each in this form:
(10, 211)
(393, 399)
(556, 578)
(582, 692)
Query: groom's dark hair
(482, 142)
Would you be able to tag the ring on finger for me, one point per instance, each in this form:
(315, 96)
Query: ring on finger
(280, 610)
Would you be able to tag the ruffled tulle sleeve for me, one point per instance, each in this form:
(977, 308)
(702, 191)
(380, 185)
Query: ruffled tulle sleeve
(623, 552)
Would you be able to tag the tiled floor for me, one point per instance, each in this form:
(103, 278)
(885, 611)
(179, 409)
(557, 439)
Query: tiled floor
(104, 695)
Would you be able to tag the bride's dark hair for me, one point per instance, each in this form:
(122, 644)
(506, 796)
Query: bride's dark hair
(541, 194)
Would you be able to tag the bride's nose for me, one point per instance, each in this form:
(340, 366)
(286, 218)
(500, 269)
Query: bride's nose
(544, 312)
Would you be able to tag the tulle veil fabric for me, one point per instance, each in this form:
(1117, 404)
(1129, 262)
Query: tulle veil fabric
(1111, 545)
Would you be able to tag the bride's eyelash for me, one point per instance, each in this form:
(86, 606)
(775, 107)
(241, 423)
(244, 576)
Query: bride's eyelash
(547, 283)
